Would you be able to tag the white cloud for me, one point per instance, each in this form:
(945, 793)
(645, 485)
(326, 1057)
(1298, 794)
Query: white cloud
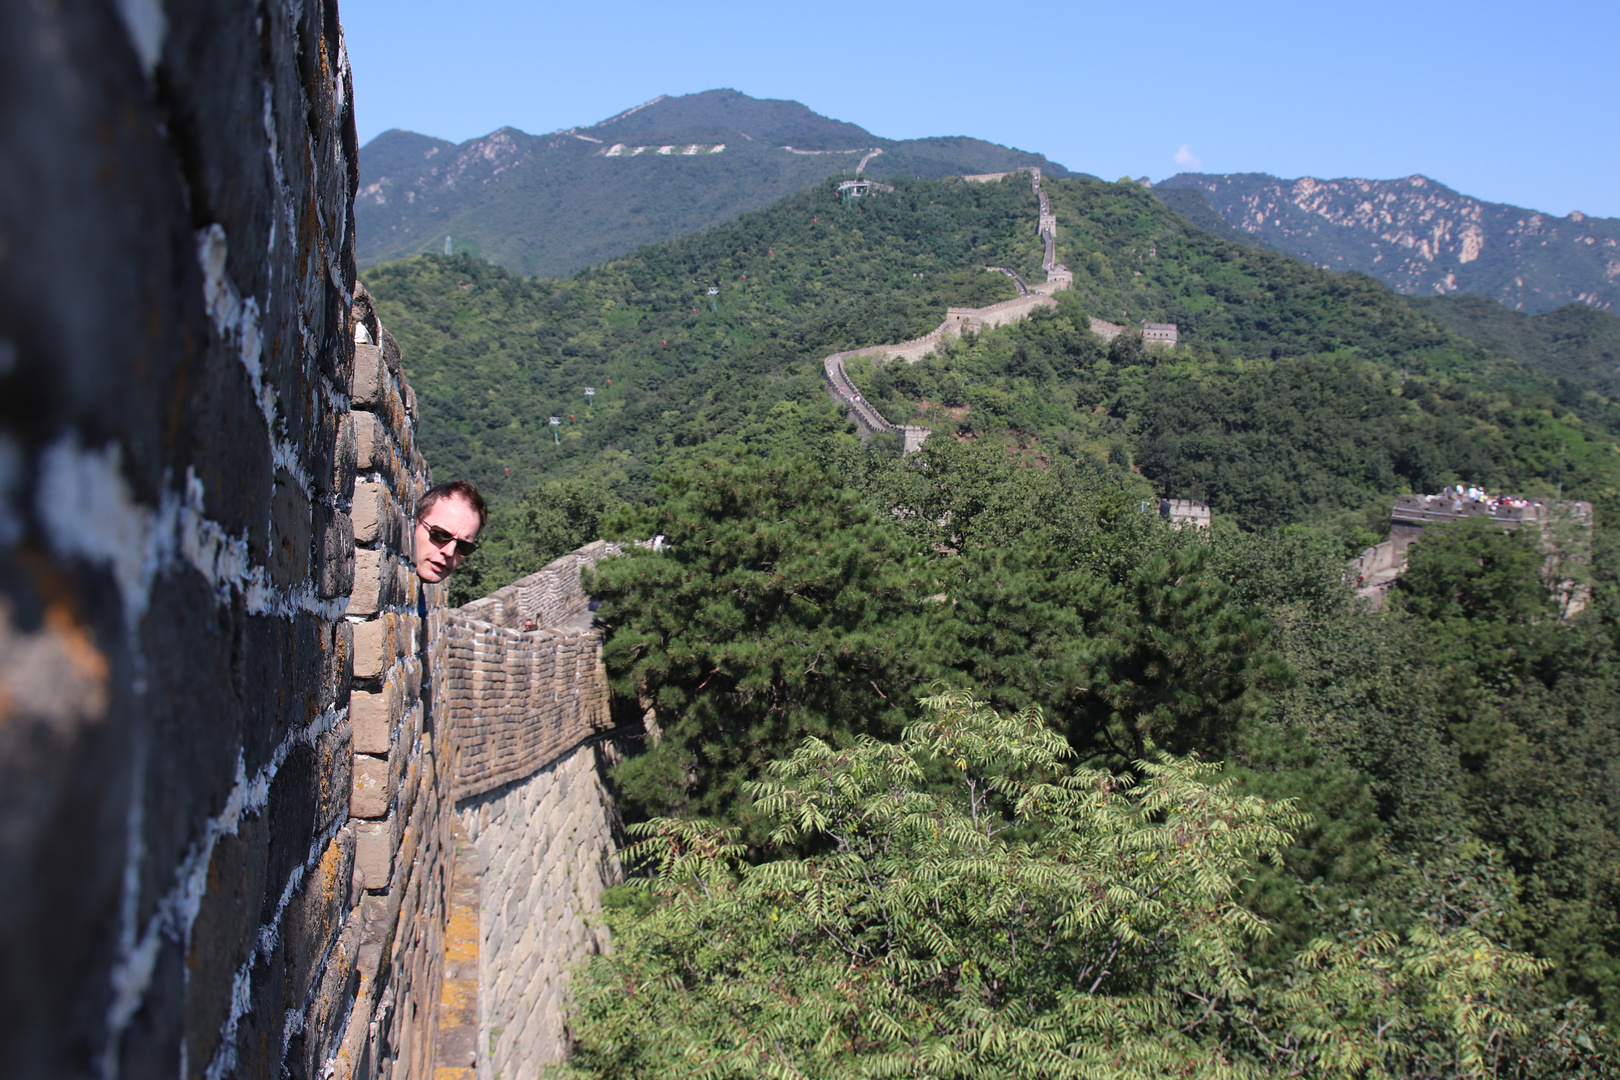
(1187, 159)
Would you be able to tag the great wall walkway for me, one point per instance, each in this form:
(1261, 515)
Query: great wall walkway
(1029, 299)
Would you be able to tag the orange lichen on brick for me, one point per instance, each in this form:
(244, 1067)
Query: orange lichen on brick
(461, 936)
(458, 1003)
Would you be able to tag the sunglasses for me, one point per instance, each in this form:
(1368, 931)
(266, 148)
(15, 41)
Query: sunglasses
(439, 538)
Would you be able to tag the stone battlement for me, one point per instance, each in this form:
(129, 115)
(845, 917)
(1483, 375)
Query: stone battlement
(524, 675)
(1565, 529)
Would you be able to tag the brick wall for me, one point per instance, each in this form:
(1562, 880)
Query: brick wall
(213, 860)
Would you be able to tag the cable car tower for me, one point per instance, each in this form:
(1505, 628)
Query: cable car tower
(554, 422)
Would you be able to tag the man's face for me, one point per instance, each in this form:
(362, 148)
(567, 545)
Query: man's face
(449, 520)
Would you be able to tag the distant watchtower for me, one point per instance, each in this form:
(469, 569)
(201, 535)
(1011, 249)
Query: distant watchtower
(1163, 334)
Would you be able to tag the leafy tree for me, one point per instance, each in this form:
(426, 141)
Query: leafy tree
(1179, 663)
(1033, 920)
(782, 607)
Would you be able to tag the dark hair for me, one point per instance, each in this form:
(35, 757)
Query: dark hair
(453, 489)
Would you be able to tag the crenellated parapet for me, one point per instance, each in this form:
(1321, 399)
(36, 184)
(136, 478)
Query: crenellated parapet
(524, 676)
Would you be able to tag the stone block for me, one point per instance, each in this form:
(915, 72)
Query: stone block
(377, 519)
(337, 670)
(335, 543)
(374, 854)
(372, 792)
(374, 717)
(408, 632)
(223, 932)
(344, 458)
(374, 648)
(290, 531)
(366, 596)
(378, 916)
(370, 377)
(374, 448)
(334, 762)
(291, 814)
(313, 913)
(330, 1006)
(390, 352)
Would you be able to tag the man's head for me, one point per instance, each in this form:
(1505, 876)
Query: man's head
(448, 520)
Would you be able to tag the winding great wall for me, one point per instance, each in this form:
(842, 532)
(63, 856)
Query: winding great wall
(957, 319)
(1029, 299)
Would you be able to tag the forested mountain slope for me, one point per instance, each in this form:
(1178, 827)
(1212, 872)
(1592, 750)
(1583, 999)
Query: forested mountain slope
(1574, 342)
(1295, 392)
(552, 204)
(1418, 236)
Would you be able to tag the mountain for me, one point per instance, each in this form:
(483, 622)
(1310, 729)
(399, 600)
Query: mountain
(1575, 342)
(552, 204)
(1295, 394)
(1416, 235)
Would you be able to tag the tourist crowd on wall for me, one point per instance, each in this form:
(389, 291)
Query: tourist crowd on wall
(1477, 496)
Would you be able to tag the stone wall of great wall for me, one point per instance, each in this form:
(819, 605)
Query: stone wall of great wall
(1564, 530)
(529, 706)
(234, 754)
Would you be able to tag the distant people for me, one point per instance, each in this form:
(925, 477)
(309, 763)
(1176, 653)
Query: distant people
(448, 521)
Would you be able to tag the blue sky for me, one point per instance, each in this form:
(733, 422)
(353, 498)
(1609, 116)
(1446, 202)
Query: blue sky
(1510, 102)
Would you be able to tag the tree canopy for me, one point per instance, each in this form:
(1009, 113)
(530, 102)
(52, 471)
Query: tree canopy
(1026, 919)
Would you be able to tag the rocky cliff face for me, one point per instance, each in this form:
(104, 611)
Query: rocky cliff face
(1419, 236)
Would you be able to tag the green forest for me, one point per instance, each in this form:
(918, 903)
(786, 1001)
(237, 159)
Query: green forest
(968, 763)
